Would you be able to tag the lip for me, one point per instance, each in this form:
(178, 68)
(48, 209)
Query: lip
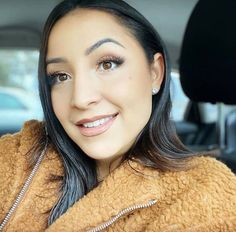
(95, 118)
(94, 131)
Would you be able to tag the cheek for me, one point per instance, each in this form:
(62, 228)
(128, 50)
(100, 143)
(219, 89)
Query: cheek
(60, 104)
(132, 88)
(132, 94)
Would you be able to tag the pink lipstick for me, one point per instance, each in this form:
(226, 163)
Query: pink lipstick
(96, 125)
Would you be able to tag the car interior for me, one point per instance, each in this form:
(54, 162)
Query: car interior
(199, 37)
(207, 73)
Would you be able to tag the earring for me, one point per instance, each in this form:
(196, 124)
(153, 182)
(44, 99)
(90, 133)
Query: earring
(155, 90)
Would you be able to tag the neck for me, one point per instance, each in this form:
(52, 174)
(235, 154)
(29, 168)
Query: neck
(105, 167)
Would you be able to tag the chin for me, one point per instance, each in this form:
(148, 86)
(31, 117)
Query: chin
(101, 154)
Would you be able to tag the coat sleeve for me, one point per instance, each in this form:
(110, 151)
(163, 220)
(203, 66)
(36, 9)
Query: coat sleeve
(221, 184)
(220, 225)
(13, 148)
(209, 203)
(9, 145)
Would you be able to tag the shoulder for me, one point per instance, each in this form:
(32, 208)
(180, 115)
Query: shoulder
(207, 178)
(13, 143)
(204, 195)
(212, 173)
(204, 171)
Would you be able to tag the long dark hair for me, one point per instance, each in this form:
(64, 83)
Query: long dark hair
(157, 144)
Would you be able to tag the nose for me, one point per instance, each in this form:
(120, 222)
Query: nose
(85, 93)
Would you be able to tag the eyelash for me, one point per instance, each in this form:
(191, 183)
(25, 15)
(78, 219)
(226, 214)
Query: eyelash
(118, 61)
(53, 77)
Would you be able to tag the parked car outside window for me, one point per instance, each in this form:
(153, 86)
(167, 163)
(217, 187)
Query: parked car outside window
(19, 100)
(16, 107)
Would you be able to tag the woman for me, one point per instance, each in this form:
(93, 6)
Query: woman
(107, 157)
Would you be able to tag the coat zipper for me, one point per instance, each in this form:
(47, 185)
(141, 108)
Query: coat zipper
(25, 187)
(121, 213)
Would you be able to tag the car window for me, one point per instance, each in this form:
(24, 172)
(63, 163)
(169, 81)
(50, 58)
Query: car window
(178, 98)
(18, 68)
(18, 71)
(10, 102)
(19, 98)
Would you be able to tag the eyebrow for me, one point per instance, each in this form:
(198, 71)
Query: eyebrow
(87, 51)
(55, 61)
(100, 43)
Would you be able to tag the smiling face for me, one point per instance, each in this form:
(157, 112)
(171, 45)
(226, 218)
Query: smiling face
(101, 82)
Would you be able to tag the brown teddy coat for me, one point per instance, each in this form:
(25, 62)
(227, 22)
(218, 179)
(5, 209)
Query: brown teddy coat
(202, 199)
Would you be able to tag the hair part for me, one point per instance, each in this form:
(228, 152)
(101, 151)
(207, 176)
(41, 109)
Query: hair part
(157, 145)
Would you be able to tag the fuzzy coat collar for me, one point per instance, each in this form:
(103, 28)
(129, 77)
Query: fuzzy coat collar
(202, 199)
(122, 189)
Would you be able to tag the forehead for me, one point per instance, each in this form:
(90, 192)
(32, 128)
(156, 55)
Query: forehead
(86, 26)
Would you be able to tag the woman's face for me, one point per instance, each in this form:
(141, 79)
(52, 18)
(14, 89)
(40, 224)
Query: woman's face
(101, 82)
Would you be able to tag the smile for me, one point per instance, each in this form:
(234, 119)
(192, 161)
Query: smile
(96, 125)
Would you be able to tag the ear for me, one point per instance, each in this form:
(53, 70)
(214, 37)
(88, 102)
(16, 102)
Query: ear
(157, 70)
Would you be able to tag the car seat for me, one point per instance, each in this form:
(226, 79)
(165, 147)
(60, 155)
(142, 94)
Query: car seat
(208, 66)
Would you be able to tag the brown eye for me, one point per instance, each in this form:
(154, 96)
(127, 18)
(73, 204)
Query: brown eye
(62, 77)
(59, 78)
(106, 65)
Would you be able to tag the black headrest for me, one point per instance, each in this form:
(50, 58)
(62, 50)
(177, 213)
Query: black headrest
(208, 55)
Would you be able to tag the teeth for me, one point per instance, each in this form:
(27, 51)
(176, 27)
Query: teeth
(97, 123)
